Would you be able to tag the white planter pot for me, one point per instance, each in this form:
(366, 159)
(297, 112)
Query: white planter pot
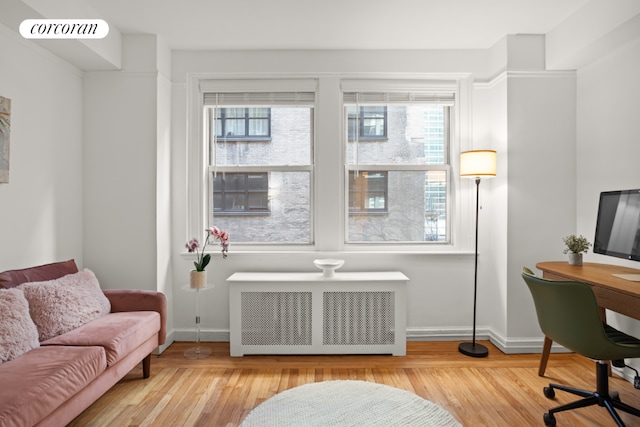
(198, 279)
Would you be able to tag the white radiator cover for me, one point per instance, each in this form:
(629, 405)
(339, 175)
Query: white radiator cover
(306, 313)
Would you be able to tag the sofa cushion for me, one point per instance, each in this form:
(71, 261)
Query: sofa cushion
(118, 333)
(48, 376)
(18, 333)
(61, 305)
(12, 278)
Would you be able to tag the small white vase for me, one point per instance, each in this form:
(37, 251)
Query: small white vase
(198, 279)
(575, 259)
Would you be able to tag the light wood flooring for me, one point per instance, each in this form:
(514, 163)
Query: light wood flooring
(499, 390)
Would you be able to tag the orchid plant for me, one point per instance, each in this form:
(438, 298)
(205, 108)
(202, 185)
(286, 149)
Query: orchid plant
(202, 258)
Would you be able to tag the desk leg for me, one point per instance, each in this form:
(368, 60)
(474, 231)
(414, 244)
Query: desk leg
(544, 358)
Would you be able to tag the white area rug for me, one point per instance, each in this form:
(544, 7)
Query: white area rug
(348, 403)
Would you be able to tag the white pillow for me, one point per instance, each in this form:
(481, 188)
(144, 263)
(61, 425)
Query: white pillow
(64, 304)
(18, 334)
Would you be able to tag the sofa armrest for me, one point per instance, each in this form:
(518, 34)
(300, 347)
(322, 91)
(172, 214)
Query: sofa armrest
(140, 300)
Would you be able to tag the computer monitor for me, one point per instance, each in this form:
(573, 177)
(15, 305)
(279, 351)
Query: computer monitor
(618, 224)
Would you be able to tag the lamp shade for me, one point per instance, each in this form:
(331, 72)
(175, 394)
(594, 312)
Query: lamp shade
(478, 163)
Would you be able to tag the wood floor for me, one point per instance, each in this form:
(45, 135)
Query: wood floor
(500, 390)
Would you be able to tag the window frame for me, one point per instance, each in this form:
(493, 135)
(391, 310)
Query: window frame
(362, 209)
(246, 191)
(247, 125)
(266, 92)
(328, 211)
(360, 120)
(361, 95)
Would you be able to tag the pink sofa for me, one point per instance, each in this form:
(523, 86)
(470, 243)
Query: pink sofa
(53, 383)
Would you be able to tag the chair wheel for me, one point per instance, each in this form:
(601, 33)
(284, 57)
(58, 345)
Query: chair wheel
(549, 419)
(549, 393)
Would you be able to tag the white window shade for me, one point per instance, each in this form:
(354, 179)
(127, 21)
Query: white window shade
(259, 92)
(398, 98)
(399, 92)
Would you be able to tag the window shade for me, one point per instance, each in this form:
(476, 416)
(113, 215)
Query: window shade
(398, 98)
(259, 92)
(441, 92)
(259, 98)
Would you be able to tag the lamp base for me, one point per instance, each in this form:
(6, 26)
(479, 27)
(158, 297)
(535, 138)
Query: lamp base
(473, 349)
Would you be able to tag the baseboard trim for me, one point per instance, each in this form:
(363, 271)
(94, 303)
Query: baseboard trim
(517, 345)
(512, 345)
(205, 336)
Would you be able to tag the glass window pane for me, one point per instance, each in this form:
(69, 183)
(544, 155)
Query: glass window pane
(233, 112)
(258, 201)
(436, 206)
(217, 199)
(367, 191)
(257, 181)
(258, 113)
(415, 211)
(370, 121)
(373, 119)
(233, 181)
(288, 219)
(234, 202)
(289, 144)
(237, 123)
(373, 127)
(259, 127)
(241, 192)
(415, 134)
(351, 128)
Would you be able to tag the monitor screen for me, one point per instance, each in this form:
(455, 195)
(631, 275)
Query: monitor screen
(618, 224)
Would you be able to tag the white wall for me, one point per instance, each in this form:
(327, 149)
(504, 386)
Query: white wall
(41, 206)
(111, 180)
(127, 169)
(441, 286)
(121, 160)
(120, 178)
(490, 131)
(541, 184)
(528, 115)
(608, 152)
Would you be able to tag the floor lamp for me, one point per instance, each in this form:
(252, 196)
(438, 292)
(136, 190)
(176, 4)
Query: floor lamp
(476, 164)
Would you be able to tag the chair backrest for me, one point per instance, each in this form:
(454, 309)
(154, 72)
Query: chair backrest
(568, 314)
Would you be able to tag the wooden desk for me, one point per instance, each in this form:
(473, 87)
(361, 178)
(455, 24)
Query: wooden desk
(613, 293)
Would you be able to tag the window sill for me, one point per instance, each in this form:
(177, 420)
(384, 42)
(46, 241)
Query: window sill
(336, 254)
(222, 139)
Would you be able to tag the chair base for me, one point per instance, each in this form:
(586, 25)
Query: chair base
(600, 397)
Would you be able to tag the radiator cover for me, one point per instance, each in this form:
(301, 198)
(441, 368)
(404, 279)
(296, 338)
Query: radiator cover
(306, 313)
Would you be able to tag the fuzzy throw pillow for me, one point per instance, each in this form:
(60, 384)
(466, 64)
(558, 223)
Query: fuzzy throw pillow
(61, 305)
(18, 334)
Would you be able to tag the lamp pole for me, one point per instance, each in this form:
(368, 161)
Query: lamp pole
(474, 349)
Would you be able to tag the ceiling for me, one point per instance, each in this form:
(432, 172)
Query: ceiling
(333, 24)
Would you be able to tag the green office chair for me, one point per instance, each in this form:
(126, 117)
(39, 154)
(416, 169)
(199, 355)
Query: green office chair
(568, 314)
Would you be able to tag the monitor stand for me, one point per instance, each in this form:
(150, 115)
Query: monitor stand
(630, 277)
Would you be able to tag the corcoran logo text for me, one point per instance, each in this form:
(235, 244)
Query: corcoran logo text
(64, 29)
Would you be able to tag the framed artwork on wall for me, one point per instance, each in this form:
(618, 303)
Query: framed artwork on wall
(5, 122)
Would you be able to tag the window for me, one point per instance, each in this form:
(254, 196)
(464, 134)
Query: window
(259, 149)
(398, 186)
(370, 122)
(383, 175)
(235, 193)
(367, 191)
(243, 123)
